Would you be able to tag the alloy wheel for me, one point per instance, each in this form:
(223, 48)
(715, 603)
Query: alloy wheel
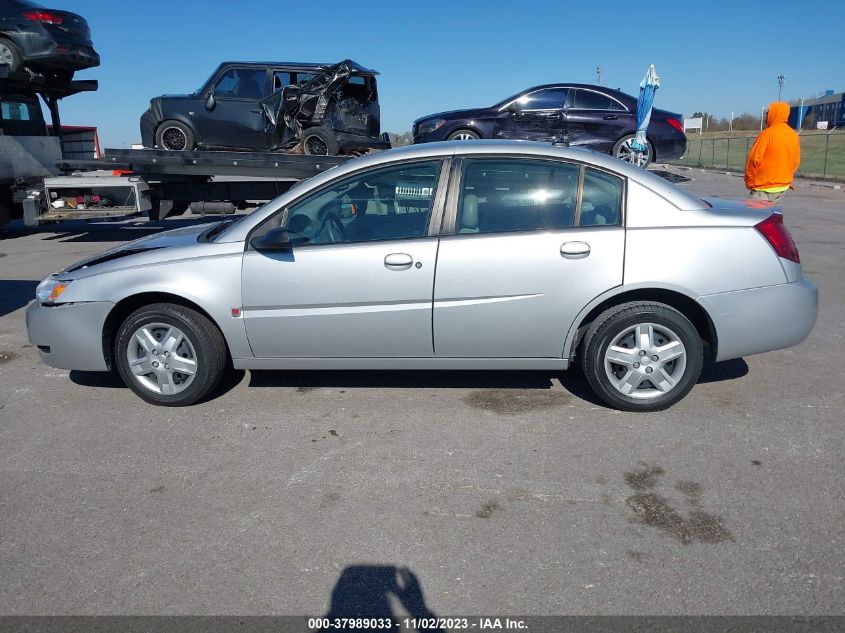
(627, 153)
(315, 146)
(161, 358)
(6, 56)
(174, 139)
(645, 361)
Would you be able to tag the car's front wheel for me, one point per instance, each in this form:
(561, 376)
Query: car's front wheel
(623, 149)
(175, 136)
(169, 354)
(463, 135)
(642, 356)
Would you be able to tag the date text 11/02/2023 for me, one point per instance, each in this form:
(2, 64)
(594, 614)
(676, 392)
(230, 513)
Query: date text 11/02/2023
(418, 624)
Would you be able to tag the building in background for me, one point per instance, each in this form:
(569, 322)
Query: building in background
(825, 112)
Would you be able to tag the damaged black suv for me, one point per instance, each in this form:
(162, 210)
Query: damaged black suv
(320, 109)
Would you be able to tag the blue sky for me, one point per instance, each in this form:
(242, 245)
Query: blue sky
(435, 55)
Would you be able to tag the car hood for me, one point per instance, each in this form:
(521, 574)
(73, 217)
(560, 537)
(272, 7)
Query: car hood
(455, 114)
(182, 237)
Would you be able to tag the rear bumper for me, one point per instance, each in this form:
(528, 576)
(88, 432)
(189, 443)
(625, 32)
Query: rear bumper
(669, 147)
(762, 319)
(60, 56)
(69, 336)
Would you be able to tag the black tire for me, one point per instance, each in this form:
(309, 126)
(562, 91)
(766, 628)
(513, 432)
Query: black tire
(6, 205)
(463, 135)
(669, 323)
(175, 136)
(617, 147)
(207, 347)
(11, 53)
(319, 141)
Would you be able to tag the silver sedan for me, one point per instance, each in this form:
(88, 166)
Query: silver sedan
(474, 256)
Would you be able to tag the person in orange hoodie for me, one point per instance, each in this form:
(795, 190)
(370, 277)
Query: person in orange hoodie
(774, 157)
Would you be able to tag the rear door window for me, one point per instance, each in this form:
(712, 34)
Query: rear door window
(501, 196)
(590, 100)
(601, 199)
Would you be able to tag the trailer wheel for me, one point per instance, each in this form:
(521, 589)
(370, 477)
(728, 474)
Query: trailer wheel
(5, 206)
(174, 136)
(9, 55)
(319, 141)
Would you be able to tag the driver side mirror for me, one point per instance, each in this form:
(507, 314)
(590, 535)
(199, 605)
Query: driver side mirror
(273, 240)
(209, 102)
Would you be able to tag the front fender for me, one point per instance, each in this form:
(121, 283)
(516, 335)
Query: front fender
(213, 283)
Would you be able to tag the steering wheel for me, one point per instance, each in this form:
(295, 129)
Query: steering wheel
(333, 228)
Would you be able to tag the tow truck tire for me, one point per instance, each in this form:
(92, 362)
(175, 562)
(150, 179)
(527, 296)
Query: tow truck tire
(319, 141)
(10, 54)
(5, 207)
(174, 135)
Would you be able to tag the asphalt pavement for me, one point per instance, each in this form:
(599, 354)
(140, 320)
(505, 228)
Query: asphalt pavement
(446, 492)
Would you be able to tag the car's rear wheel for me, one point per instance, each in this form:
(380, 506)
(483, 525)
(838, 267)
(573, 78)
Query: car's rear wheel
(10, 55)
(623, 149)
(463, 135)
(642, 356)
(319, 141)
(169, 354)
(175, 136)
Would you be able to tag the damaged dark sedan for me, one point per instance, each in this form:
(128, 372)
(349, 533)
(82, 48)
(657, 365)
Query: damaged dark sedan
(320, 109)
(578, 115)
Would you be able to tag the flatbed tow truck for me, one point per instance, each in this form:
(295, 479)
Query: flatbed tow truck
(134, 181)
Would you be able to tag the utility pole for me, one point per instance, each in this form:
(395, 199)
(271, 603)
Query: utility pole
(762, 111)
(780, 85)
(731, 123)
(598, 75)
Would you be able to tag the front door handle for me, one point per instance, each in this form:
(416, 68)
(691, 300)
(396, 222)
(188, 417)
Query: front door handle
(398, 261)
(575, 250)
(610, 117)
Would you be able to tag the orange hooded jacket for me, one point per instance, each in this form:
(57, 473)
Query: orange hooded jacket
(776, 153)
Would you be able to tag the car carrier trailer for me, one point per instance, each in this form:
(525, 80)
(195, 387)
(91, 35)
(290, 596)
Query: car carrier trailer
(40, 182)
(164, 182)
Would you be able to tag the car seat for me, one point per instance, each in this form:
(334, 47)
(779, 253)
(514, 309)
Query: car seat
(469, 214)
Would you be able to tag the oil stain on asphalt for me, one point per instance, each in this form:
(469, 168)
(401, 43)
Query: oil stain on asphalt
(5, 356)
(514, 401)
(488, 509)
(657, 511)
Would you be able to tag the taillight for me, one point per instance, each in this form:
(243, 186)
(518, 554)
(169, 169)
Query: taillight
(776, 233)
(675, 124)
(44, 16)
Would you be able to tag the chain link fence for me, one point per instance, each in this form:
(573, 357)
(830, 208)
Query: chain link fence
(822, 153)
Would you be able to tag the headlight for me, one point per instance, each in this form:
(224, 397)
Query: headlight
(49, 290)
(427, 127)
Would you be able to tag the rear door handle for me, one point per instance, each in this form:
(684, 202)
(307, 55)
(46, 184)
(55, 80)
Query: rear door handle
(610, 117)
(575, 250)
(398, 261)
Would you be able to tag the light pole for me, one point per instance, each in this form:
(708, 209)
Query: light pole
(780, 85)
(598, 75)
(762, 112)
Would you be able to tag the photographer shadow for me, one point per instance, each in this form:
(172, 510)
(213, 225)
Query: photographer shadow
(377, 592)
